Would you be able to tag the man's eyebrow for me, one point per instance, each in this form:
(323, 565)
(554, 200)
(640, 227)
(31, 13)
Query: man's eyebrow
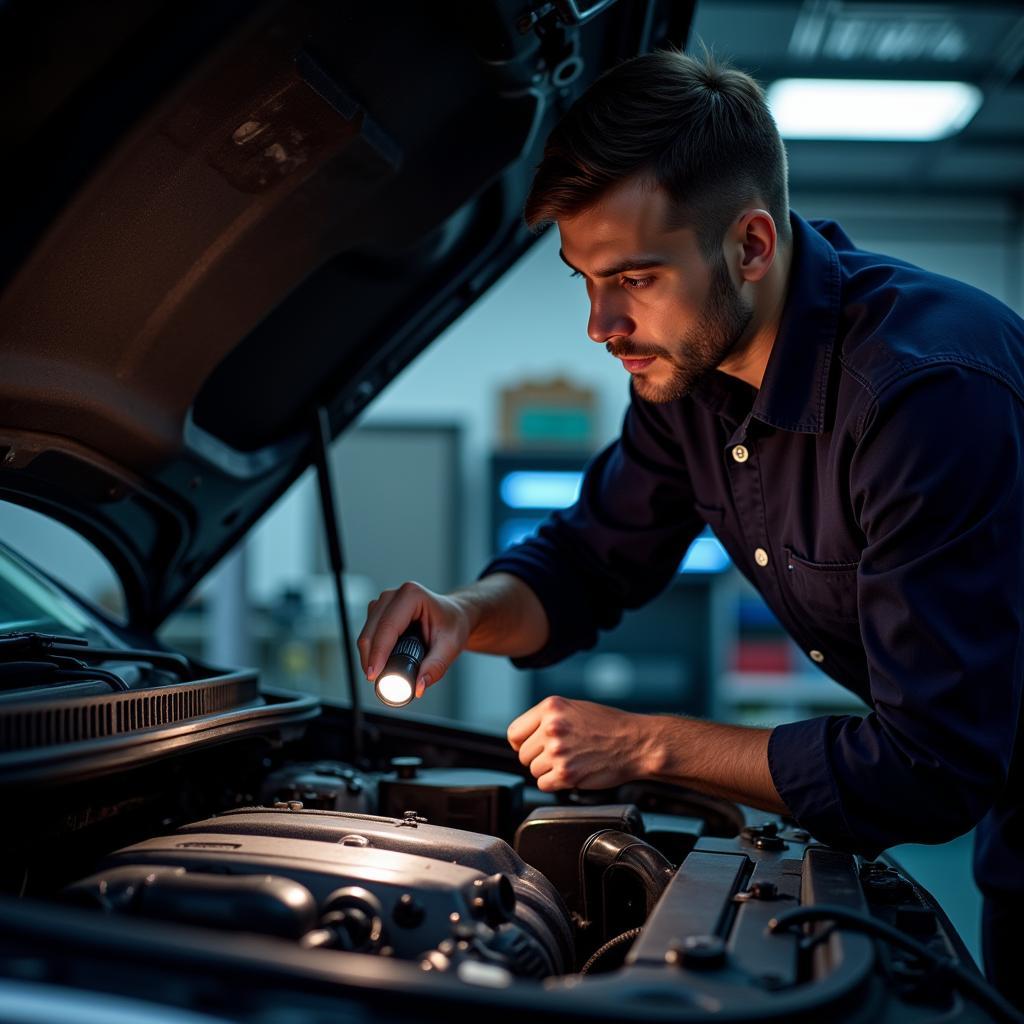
(630, 263)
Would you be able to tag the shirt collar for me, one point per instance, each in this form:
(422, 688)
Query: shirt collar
(793, 392)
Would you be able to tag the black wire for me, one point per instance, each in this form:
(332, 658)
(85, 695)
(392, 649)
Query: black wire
(609, 946)
(19, 674)
(76, 652)
(945, 966)
(100, 674)
(177, 662)
(18, 640)
(52, 645)
(808, 943)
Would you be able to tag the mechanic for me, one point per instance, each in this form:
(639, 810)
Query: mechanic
(850, 426)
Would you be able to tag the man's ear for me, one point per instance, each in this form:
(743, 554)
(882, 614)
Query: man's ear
(755, 243)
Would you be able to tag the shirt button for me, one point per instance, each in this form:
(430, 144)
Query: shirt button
(761, 557)
(817, 656)
(740, 454)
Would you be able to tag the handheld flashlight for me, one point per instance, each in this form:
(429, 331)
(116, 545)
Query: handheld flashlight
(396, 684)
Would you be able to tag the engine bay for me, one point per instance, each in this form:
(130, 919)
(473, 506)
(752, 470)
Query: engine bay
(470, 880)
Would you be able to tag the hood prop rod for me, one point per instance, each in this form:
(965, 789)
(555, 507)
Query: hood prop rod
(321, 439)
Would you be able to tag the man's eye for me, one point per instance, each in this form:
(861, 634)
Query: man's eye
(575, 273)
(636, 283)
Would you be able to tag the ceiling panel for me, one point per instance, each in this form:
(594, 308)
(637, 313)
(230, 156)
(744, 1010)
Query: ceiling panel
(981, 43)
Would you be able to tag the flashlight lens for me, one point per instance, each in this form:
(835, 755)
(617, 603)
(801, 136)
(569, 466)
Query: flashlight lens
(394, 690)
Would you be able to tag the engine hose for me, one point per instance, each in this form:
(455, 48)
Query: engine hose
(610, 850)
(619, 940)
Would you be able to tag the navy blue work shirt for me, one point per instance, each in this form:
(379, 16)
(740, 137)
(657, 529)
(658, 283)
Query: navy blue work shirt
(873, 491)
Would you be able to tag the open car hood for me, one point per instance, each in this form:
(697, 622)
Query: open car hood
(224, 219)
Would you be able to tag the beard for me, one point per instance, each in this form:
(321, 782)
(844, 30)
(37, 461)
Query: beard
(710, 341)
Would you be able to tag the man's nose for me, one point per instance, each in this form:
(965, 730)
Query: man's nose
(608, 320)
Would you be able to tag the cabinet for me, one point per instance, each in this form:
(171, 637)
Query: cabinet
(768, 679)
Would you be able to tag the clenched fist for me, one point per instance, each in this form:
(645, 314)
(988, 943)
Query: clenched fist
(575, 743)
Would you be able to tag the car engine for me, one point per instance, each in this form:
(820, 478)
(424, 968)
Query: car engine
(314, 867)
(477, 878)
(242, 862)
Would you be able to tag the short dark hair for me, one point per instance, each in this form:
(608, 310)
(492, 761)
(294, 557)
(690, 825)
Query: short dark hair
(698, 128)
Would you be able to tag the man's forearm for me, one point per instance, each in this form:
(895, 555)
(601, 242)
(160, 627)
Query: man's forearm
(505, 616)
(730, 761)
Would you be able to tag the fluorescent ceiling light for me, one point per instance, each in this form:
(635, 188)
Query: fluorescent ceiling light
(835, 108)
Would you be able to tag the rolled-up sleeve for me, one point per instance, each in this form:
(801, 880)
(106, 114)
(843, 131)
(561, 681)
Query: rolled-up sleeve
(617, 546)
(940, 592)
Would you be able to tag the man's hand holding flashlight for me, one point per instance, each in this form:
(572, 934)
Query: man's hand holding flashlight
(498, 614)
(444, 620)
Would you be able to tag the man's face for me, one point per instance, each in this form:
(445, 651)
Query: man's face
(654, 302)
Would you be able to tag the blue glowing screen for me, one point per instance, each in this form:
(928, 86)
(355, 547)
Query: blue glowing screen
(541, 491)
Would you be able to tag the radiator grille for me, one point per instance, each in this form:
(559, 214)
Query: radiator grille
(55, 723)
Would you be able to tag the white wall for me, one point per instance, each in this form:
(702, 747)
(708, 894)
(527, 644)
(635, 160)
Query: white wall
(979, 241)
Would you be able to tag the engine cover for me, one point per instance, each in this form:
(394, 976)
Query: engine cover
(423, 882)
